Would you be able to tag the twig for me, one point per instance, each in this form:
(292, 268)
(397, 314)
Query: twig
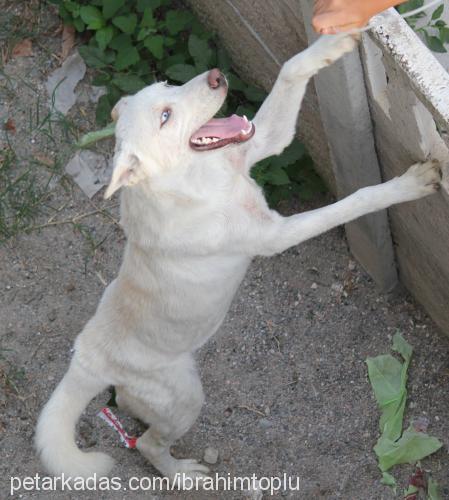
(73, 220)
(253, 410)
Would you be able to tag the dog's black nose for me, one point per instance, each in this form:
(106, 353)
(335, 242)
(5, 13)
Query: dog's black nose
(215, 79)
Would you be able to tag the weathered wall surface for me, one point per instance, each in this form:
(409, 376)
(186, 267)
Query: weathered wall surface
(259, 37)
(409, 94)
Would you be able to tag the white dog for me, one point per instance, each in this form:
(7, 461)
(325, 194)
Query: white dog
(194, 219)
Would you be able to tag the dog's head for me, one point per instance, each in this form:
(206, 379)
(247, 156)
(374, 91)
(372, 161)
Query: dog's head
(163, 127)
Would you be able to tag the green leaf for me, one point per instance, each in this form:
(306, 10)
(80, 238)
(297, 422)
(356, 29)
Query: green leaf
(92, 17)
(444, 34)
(155, 44)
(181, 72)
(104, 36)
(126, 57)
(79, 25)
(127, 23)
(384, 373)
(128, 83)
(277, 176)
(177, 20)
(92, 137)
(101, 79)
(437, 12)
(247, 110)
(410, 448)
(95, 57)
(410, 5)
(121, 41)
(169, 41)
(434, 43)
(433, 492)
(291, 154)
(111, 7)
(103, 111)
(235, 83)
(388, 480)
(144, 4)
(401, 346)
(199, 50)
(148, 20)
(254, 94)
(223, 59)
(144, 32)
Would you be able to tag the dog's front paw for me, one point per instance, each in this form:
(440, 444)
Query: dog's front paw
(421, 180)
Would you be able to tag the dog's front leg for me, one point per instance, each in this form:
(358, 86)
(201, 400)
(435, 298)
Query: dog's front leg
(279, 233)
(275, 122)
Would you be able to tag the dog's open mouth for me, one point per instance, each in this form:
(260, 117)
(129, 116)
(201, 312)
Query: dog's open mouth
(219, 132)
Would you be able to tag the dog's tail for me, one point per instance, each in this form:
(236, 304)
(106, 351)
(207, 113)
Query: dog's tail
(55, 432)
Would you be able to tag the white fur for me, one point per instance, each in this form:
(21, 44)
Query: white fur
(193, 220)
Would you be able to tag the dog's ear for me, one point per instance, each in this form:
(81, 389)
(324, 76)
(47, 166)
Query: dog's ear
(115, 113)
(127, 171)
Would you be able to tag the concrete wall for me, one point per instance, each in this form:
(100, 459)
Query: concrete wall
(405, 94)
(409, 98)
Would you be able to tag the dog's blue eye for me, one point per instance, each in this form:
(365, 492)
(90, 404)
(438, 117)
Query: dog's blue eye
(165, 116)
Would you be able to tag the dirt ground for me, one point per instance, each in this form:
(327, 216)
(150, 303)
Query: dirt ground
(285, 378)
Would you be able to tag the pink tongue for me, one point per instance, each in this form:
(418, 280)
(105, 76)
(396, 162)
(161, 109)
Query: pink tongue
(223, 128)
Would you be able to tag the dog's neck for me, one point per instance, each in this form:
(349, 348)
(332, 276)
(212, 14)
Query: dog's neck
(183, 196)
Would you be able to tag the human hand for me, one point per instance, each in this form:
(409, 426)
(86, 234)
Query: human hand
(334, 16)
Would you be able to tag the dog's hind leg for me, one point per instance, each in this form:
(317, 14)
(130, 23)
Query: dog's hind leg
(169, 401)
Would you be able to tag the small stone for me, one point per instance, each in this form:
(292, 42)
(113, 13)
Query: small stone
(210, 455)
(314, 286)
(337, 287)
(52, 315)
(265, 423)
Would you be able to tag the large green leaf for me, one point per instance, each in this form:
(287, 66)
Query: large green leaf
(95, 57)
(127, 23)
(277, 176)
(434, 43)
(144, 4)
(199, 50)
(155, 44)
(385, 376)
(177, 20)
(111, 7)
(128, 83)
(148, 20)
(410, 448)
(181, 72)
(92, 17)
(104, 36)
(126, 57)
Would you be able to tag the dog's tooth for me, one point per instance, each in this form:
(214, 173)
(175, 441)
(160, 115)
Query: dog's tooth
(246, 119)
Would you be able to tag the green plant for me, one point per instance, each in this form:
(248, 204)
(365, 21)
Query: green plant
(435, 31)
(133, 43)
